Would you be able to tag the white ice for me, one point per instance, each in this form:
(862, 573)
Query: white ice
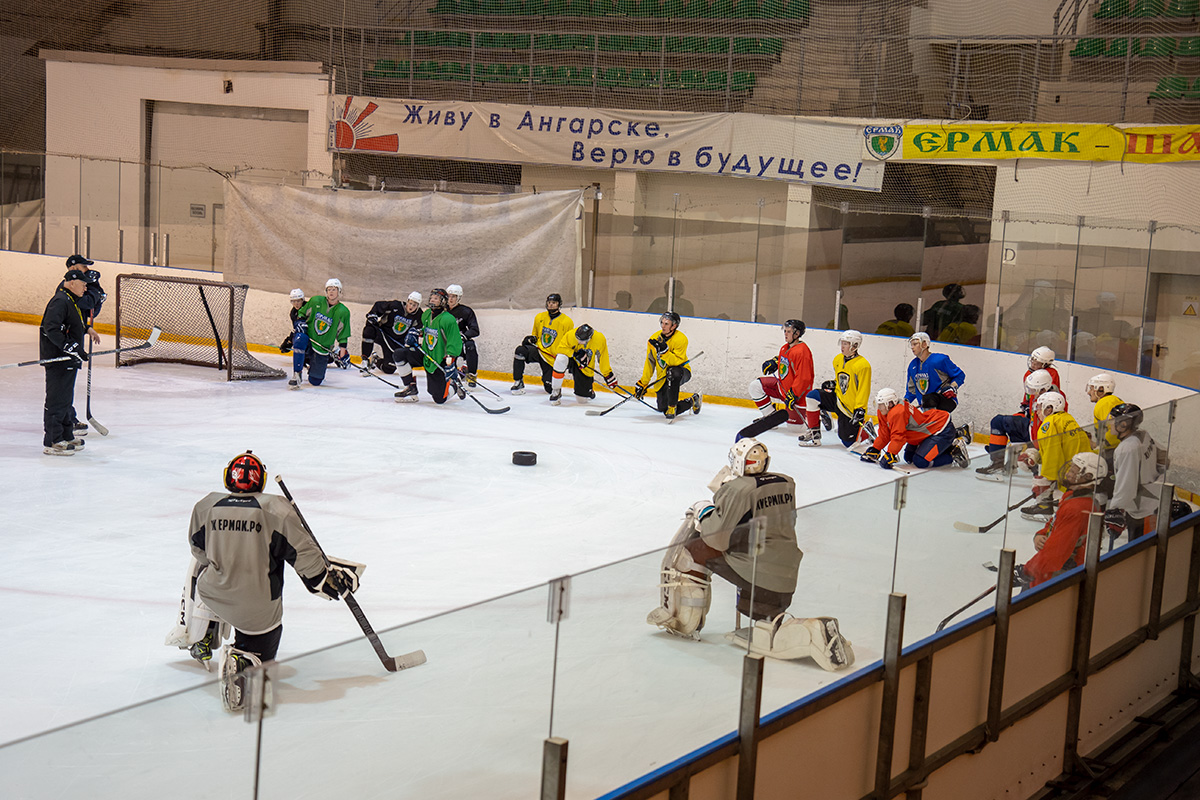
(93, 552)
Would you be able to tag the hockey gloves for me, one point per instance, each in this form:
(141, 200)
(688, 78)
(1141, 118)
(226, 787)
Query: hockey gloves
(342, 360)
(373, 319)
(338, 582)
(1030, 457)
(887, 459)
(581, 356)
(870, 456)
(73, 350)
(950, 394)
(1114, 521)
(859, 417)
(1021, 578)
(770, 366)
(790, 399)
(611, 380)
(639, 391)
(1040, 485)
(286, 345)
(660, 344)
(529, 341)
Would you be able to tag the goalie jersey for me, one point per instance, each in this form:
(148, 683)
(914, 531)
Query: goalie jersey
(768, 495)
(241, 542)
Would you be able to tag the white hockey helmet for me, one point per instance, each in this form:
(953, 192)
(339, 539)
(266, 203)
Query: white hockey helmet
(851, 336)
(1038, 382)
(748, 457)
(1043, 356)
(454, 289)
(1103, 382)
(416, 296)
(919, 336)
(335, 283)
(297, 294)
(886, 398)
(1051, 403)
(1092, 468)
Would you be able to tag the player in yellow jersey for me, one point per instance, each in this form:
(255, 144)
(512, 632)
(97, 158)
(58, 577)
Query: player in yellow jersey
(1100, 391)
(1059, 439)
(846, 395)
(538, 347)
(666, 357)
(585, 352)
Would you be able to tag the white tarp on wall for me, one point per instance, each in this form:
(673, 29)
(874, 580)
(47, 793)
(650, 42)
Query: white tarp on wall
(506, 251)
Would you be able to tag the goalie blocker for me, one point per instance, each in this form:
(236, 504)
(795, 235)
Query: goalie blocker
(759, 557)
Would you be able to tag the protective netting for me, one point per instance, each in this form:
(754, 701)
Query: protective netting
(201, 323)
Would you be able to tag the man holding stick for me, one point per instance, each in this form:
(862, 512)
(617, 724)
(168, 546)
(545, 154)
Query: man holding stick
(62, 332)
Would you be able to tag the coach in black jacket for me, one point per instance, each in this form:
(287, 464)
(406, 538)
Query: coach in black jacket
(62, 333)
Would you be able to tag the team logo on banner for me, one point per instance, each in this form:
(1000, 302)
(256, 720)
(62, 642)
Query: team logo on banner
(883, 141)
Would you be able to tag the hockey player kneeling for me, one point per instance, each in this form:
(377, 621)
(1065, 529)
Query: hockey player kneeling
(715, 539)
(239, 543)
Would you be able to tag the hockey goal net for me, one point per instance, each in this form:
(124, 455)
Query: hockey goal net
(201, 324)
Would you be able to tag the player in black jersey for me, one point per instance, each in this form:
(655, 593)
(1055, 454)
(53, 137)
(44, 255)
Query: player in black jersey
(469, 326)
(396, 326)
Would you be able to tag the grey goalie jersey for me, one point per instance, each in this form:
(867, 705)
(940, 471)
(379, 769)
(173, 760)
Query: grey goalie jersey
(768, 495)
(242, 542)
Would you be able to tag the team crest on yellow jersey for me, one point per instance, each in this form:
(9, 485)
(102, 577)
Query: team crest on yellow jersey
(843, 379)
(548, 336)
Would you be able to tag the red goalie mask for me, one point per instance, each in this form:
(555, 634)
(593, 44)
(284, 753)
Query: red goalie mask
(245, 473)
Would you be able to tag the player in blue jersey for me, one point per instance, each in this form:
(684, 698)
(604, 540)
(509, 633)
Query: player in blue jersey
(933, 379)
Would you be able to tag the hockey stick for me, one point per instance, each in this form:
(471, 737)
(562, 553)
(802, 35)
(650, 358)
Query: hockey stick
(592, 412)
(154, 334)
(456, 382)
(103, 431)
(367, 371)
(968, 528)
(946, 621)
(392, 664)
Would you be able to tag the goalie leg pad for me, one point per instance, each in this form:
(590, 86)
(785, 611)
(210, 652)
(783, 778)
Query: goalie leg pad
(234, 663)
(685, 603)
(788, 638)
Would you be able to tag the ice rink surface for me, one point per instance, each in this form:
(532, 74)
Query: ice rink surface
(94, 548)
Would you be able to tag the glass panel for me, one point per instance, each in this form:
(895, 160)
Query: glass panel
(100, 198)
(881, 266)
(1109, 296)
(1169, 344)
(1037, 284)
(148, 750)
(470, 723)
(134, 235)
(189, 199)
(780, 284)
(62, 205)
(822, 270)
(954, 277)
(1184, 469)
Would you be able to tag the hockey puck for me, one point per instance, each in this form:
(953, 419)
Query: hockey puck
(524, 458)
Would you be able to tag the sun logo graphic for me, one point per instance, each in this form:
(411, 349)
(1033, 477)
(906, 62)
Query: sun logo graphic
(345, 134)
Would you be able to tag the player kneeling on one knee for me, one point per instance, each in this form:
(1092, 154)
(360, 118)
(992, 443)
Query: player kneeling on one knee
(243, 587)
(715, 538)
(926, 435)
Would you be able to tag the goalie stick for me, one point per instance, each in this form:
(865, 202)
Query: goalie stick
(154, 334)
(103, 431)
(595, 412)
(392, 664)
(966, 527)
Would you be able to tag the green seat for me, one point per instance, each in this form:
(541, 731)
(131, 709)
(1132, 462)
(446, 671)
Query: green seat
(517, 41)
(1172, 87)
(444, 7)
(721, 9)
(743, 81)
(535, 8)
(512, 8)
(696, 9)
(556, 8)
(672, 8)
(579, 76)
(490, 8)
(717, 44)
(746, 9)
(1088, 48)
(484, 41)
(603, 8)
(1183, 8)
(691, 79)
(612, 77)
(549, 74)
(796, 9)
(716, 80)
(383, 68)
(546, 41)
(643, 78)
(455, 71)
(670, 79)
(771, 9)
(647, 44)
(1119, 48)
(1112, 9)
(1188, 48)
(1162, 47)
(770, 47)
(427, 71)
(742, 45)
(1146, 8)
(518, 73)
(579, 8)
(1194, 94)
(650, 8)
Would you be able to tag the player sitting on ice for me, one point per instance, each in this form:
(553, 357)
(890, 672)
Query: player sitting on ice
(536, 348)
(441, 345)
(715, 539)
(1019, 427)
(786, 378)
(239, 542)
(1062, 543)
(846, 395)
(933, 379)
(585, 352)
(1059, 438)
(926, 435)
(328, 322)
(667, 358)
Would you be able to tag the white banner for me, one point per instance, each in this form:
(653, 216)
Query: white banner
(799, 150)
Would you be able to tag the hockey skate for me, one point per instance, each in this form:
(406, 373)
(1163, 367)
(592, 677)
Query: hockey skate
(1040, 511)
(696, 403)
(80, 429)
(459, 391)
(670, 413)
(996, 470)
(826, 420)
(234, 680)
(869, 429)
(556, 397)
(60, 449)
(810, 438)
(518, 387)
(958, 452)
(472, 380)
(296, 379)
(79, 443)
(408, 394)
(202, 650)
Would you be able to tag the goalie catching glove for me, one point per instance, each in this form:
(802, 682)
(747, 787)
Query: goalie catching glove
(340, 578)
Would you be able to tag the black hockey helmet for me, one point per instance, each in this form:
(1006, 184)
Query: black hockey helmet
(440, 293)
(584, 333)
(245, 473)
(670, 316)
(795, 325)
(554, 297)
(953, 291)
(1127, 415)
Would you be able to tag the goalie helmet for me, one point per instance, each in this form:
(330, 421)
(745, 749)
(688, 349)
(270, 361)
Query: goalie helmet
(455, 290)
(297, 294)
(1091, 466)
(1102, 382)
(851, 336)
(748, 457)
(584, 333)
(415, 297)
(1127, 416)
(245, 473)
(1038, 382)
(1051, 403)
(1043, 356)
(440, 296)
(335, 283)
(885, 398)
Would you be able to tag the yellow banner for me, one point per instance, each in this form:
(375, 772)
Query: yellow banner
(1160, 144)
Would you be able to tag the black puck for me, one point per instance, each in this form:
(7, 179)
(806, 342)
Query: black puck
(524, 458)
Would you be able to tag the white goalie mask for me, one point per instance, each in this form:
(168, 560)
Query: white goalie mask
(748, 457)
